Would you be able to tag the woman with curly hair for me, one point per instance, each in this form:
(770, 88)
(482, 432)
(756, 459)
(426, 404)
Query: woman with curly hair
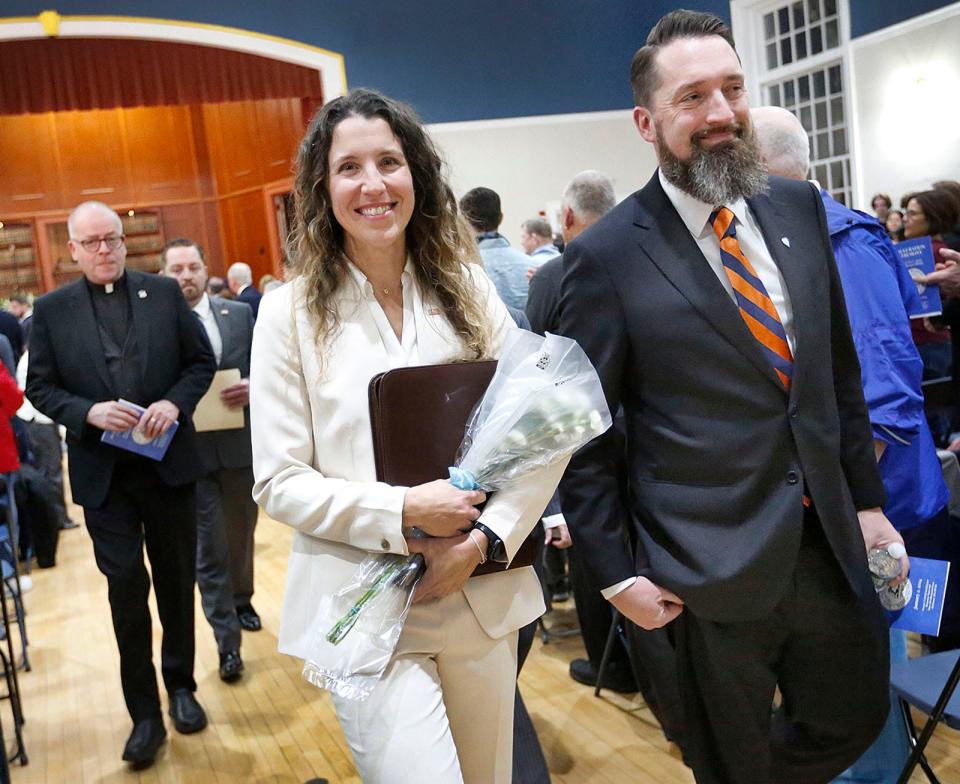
(382, 281)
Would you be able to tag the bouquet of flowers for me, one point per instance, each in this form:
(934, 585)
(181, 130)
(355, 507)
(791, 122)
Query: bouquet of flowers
(543, 403)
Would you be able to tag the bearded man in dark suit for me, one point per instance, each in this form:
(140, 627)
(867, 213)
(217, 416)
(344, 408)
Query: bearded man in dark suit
(710, 305)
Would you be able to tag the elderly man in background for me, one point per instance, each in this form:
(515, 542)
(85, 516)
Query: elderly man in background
(878, 291)
(240, 282)
(115, 335)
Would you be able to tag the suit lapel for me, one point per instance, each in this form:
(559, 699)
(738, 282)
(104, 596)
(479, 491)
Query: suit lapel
(667, 242)
(225, 324)
(773, 218)
(140, 307)
(87, 325)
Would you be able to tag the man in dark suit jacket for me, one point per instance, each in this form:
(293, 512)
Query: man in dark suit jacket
(125, 334)
(753, 487)
(226, 511)
(240, 281)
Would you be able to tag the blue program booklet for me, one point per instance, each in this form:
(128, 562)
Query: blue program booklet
(917, 256)
(928, 580)
(134, 440)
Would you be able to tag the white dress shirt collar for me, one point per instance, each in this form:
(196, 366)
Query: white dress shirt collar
(694, 213)
(202, 308)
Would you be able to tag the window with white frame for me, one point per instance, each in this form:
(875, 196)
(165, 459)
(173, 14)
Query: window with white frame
(816, 98)
(798, 47)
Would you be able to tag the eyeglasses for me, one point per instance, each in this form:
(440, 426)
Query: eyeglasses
(92, 245)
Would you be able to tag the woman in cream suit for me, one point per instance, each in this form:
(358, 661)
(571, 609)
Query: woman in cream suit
(382, 283)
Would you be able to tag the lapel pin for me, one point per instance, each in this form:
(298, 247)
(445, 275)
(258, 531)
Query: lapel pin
(785, 241)
(433, 311)
(142, 294)
(224, 312)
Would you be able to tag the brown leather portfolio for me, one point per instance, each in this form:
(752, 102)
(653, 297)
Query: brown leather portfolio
(418, 416)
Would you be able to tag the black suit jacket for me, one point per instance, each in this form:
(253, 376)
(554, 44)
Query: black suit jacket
(251, 295)
(543, 297)
(68, 374)
(230, 448)
(718, 454)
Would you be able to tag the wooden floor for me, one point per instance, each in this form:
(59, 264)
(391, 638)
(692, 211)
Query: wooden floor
(273, 726)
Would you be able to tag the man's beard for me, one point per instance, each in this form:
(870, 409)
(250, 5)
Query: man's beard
(719, 175)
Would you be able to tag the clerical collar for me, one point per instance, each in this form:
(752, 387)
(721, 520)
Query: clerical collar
(120, 284)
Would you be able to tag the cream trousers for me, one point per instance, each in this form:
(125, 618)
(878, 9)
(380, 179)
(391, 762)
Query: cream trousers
(443, 711)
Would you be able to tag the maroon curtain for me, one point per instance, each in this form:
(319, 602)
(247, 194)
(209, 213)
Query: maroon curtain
(63, 74)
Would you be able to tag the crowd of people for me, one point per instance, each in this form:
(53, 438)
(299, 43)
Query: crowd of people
(751, 335)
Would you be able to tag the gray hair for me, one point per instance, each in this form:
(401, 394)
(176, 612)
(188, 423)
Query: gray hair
(538, 226)
(783, 141)
(240, 272)
(90, 205)
(590, 194)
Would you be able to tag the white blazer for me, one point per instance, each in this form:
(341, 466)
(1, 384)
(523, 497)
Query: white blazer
(313, 456)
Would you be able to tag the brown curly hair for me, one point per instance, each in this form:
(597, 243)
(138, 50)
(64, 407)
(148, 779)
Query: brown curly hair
(435, 238)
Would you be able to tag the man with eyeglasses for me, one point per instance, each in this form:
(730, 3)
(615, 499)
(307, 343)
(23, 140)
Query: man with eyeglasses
(122, 334)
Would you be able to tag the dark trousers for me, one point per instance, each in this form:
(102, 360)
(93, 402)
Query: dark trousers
(824, 648)
(594, 614)
(529, 764)
(213, 568)
(233, 488)
(140, 509)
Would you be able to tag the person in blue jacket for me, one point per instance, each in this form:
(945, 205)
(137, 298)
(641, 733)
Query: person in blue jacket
(879, 293)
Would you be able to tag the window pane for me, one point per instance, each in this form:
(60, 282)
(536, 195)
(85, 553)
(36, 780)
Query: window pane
(836, 81)
(772, 56)
(840, 142)
(820, 175)
(804, 82)
(819, 85)
(829, 7)
(833, 34)
(788, 93)
(806, 119)
(823, 145)
(783, 17)
(816, 40)
(836, 110)
(798, 16)
(800, 45)
(841, 197)
(821, 114)
(813, 10)
(774, 93)
(836, 174)
(786, 51)
(768, 27)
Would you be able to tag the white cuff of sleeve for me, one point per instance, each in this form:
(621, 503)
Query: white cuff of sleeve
(552, 521)
(613, 590)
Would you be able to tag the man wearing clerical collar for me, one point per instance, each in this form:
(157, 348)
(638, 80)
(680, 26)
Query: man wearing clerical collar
(113, 335)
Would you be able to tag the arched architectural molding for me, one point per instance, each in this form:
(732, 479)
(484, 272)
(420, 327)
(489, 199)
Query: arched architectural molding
(50, 24)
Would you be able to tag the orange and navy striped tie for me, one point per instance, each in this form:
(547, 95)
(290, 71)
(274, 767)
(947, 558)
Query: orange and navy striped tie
(756, 307)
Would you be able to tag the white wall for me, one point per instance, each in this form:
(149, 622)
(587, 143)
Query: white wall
(529, 161)
(907, 104)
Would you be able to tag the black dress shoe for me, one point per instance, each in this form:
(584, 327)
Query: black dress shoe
(144, 743)
(186, 712)
(615, 679)
(249, 619)
(231, 666)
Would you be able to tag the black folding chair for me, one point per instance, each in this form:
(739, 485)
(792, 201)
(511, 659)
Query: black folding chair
(927, 683)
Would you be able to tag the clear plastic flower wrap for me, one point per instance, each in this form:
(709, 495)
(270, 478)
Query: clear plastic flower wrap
(544, 402)
(359, 625)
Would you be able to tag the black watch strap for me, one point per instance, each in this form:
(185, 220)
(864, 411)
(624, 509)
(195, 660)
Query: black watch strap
(496, 550)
